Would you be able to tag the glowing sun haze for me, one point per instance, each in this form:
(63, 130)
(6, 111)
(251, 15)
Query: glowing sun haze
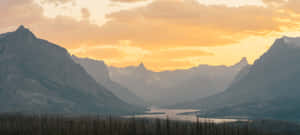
(163, 34)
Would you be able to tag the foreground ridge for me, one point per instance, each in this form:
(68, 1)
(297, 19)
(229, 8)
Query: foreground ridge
(37, 76)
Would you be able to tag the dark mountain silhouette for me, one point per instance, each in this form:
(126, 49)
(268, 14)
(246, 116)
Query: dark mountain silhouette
(37, 76)
(270, 89)
(98, 70)
(170, 87)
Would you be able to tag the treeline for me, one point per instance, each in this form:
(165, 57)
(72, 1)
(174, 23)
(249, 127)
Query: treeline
(17, 124)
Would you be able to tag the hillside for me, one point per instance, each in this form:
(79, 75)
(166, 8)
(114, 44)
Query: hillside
(270, 86)
(37, 76)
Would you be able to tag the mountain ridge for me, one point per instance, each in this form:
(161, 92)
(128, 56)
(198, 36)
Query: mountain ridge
(37, 76)
(170, 87)
(270, 86)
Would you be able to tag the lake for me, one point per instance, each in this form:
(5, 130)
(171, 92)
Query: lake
(176, 114)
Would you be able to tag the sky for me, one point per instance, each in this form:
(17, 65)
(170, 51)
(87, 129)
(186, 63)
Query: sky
(163, 34)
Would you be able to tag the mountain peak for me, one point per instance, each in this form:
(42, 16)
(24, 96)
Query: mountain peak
(244, 60)
(141, 65)
(23, 31)
(21, 27)
(242, 63)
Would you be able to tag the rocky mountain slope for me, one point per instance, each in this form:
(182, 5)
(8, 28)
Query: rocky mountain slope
(270, 89)
(37, 76)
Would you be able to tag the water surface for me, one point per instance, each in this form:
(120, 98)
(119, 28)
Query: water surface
(176, 114)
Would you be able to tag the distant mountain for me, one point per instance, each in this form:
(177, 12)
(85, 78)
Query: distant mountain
(37, 76)
(98, 70)
(243, 72)
(270, 89)
(171, 87)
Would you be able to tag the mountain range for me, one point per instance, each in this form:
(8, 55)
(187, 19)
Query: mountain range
(270, 88)
(171, 87)
(37, 76)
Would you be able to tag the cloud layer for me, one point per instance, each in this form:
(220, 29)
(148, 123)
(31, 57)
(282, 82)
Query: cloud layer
(159, 26)
(127, 1)
(57, 2)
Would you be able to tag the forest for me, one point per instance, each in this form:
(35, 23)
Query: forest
(19, 124)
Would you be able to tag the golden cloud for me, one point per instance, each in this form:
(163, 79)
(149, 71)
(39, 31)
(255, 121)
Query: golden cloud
(102, 53)
(160, 25)
(292, 5)
(274, 2)
(123, 56)
(128, 1)
(85, 13)
(177, 53)
(289, 5)
(57, 2)
(187, 23)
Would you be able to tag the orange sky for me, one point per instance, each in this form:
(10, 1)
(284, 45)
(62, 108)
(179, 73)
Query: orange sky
(163, 34)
